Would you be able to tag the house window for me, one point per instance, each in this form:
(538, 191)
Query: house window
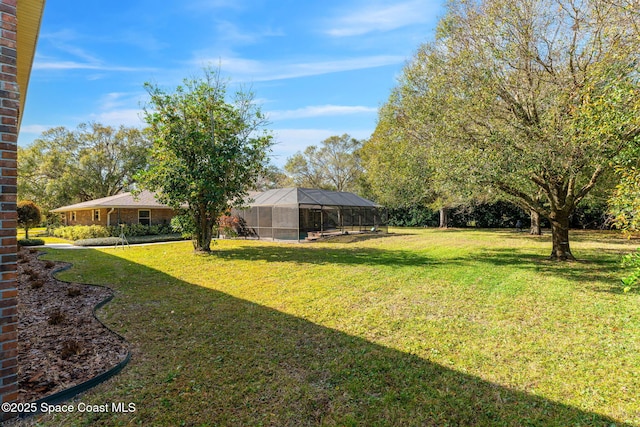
(73, 215)
(144, 217)
(96, 215)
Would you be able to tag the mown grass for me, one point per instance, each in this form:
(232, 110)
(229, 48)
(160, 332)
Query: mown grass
(422, 327)
(39, 233)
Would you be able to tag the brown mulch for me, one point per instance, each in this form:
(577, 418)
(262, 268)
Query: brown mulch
(61, 344)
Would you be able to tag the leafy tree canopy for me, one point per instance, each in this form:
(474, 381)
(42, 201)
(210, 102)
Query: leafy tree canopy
(64, 166)
(335, 165)
(534, 98)
(207, 151)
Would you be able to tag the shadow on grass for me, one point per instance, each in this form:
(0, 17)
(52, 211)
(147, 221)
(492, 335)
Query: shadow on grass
(207, 358)
(312, 254)
(585, 271)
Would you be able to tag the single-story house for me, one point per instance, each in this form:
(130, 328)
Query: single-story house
(122, 208)
(299, 213)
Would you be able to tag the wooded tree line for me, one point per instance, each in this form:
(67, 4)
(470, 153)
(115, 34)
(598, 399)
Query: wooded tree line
(70, 166)
(532, 102)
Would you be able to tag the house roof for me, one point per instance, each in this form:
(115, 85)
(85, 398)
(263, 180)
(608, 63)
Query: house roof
(144, 200)
(309, 197)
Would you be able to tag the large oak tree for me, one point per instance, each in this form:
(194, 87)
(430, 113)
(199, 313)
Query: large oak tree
(534, 98)
(65, 166)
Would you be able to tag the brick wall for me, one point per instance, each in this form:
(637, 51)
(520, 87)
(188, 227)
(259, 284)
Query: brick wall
(126, 216)
(9, 105)
(130, 216)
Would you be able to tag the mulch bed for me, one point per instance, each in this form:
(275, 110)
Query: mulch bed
(61, 344)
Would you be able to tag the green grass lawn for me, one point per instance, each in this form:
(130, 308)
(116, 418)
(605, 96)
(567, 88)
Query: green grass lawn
(39, 233)
(422, 327)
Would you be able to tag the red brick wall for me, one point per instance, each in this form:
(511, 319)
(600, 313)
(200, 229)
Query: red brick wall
(126, 216)
(9, 100)
(130, 216)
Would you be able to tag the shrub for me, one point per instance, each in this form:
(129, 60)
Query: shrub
(632, 261)
(57, 317)
(229, 226)
(37, 284)
(70, 348)
(112, 241)
(74, 291)
(100, 241)
(77, 232)
(30, 242)
(184, 225)
(83, 232)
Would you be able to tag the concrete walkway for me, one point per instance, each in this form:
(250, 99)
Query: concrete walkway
(61, 246)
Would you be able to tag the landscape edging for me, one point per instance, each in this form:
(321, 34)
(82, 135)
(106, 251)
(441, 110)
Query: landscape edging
(71, 392)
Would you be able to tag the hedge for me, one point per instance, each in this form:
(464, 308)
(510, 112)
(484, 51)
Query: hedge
(82, 232)
(112, 241)
(30, 242)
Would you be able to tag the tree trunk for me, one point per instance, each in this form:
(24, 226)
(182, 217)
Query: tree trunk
(26, 233)
(444, 217)
(560, 237)
(204, 233)
(535, 223)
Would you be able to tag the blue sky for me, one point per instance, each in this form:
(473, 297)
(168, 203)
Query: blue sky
(317, 68)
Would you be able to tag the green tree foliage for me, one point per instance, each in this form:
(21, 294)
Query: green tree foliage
(335, 165)
(29, 216)
(400, 164)
(625, 203)
(64, 167)
(272, 177)
(534, 98)
(207, 151)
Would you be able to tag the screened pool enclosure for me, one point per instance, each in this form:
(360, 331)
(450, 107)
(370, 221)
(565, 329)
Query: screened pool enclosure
(299, 213)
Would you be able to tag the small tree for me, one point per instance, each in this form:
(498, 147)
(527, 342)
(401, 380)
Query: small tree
(207, 152)
(28, 216)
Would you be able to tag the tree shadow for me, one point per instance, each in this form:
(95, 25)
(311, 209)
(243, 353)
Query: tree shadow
(326, 254)
(589, 272)
(207, 358)
(360, 237)
(582, 271)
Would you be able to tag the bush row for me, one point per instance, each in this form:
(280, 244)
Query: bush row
(112, 241)
(80, 232)
(591, 215)
(30, 242)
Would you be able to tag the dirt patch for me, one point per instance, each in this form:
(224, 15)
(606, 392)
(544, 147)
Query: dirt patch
(61, 344)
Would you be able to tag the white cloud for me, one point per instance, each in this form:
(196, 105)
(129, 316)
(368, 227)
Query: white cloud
(319, 111)
(40, 64)
(120, 100)
(229, 33)
(125, 117)
(253, 70)
(34, 129)
(376, 17)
